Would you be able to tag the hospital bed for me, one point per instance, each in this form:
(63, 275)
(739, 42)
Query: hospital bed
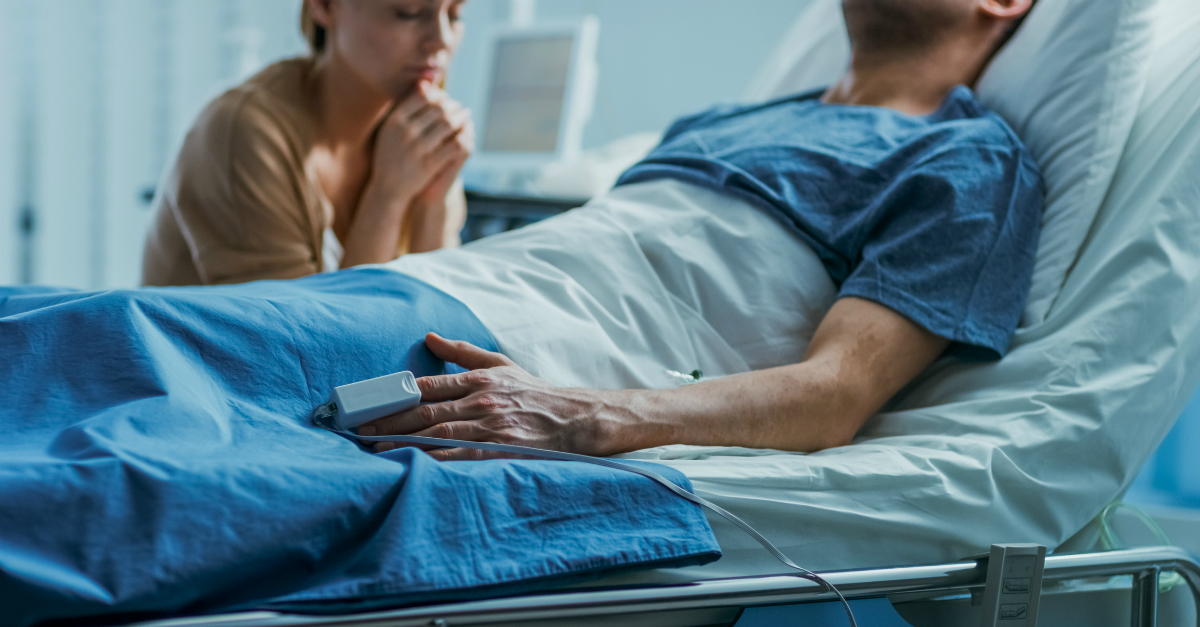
(1027, 449)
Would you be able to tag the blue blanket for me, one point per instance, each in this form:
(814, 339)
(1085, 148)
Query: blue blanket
(156, 458)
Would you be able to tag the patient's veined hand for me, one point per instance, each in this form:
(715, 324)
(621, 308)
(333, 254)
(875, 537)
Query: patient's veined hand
(496, 401)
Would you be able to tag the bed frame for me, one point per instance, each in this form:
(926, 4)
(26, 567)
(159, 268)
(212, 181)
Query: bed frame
(941, 594)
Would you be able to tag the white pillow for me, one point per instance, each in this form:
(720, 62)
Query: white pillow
(813, 53)
(1069, 84)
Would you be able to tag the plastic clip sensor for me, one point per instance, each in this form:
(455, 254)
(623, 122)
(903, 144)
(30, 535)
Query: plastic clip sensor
(1014, 585)
(359, 403)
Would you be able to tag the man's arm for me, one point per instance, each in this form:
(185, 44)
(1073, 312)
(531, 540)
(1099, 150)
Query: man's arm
(861, 355)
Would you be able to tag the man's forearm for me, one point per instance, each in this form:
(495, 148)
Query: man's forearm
(796, 408)
(861, 355)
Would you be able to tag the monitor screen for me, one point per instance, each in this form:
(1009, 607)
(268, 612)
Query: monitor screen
(529, 84)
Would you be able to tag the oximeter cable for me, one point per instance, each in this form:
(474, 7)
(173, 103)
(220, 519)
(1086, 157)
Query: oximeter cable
(323, 415)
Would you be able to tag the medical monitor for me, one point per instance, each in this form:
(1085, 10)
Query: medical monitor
(539, 94)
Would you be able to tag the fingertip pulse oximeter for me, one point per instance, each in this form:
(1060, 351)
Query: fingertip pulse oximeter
(359, 403)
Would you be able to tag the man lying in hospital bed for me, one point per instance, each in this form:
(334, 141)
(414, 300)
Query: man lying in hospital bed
(909, 222)
(1029, 448)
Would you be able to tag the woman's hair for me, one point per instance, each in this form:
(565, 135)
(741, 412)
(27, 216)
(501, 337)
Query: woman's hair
(313, 32)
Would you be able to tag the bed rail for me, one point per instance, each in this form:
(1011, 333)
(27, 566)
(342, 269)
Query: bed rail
(716, 602)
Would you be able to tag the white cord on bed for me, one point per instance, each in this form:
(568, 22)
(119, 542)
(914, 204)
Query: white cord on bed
(323, 414)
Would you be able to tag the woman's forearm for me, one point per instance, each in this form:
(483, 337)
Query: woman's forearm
(436, 224)
(377, 226)
(375, 230)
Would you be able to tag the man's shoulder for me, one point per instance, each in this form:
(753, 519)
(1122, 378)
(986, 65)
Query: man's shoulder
(973, 150)
(962, 121)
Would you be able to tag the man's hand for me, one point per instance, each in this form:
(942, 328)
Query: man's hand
(496, 401)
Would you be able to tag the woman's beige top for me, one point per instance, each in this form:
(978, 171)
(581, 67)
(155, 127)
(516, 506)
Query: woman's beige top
(242, 202)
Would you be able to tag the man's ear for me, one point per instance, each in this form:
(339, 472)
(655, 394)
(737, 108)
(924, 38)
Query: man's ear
(1005, 9)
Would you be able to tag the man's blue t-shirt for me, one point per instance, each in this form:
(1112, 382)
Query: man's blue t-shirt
(936, 217)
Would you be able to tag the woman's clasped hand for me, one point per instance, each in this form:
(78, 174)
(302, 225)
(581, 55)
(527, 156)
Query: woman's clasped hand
(420, 149)
(422, 145)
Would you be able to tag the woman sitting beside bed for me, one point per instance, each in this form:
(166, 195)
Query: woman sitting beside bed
(346, 157)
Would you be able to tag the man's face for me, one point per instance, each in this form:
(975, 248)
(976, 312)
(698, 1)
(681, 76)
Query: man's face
(902, 25)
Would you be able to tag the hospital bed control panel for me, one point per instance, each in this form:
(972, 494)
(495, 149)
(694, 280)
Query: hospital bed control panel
(1014, 585)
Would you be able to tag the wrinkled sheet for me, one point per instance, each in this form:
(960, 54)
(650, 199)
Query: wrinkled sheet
(157, 458)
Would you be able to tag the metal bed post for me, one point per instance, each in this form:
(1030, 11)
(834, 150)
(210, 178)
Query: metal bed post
(1145, 597)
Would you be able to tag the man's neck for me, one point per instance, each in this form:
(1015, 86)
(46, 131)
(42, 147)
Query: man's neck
(915, 83)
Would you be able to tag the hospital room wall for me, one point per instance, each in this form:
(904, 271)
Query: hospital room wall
(97, 95)
(659, 59)
(10, 167)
